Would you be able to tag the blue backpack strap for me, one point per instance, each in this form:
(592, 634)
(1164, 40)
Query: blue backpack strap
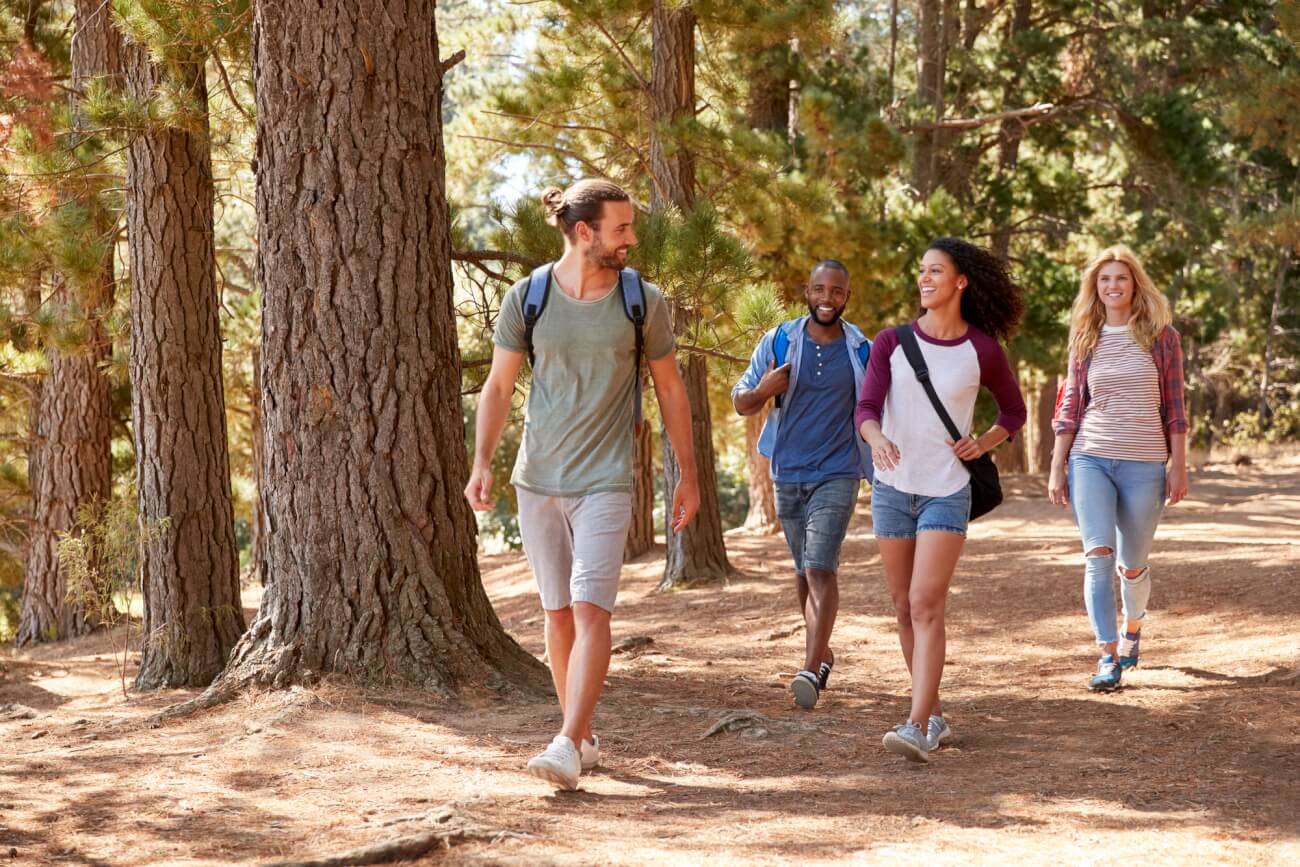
(634, 305)
(534, 303)
(864, 352)
(780, 348)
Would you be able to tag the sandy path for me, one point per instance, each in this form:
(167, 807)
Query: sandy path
(1197, 759)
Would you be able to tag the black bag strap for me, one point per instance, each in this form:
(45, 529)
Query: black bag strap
(634, 305)
(912, 350)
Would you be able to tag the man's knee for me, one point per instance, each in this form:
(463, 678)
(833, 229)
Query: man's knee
(820, 580)
(559, 618)
(587, 615)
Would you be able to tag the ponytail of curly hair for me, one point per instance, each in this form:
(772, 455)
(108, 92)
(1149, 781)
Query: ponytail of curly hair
(992, 301)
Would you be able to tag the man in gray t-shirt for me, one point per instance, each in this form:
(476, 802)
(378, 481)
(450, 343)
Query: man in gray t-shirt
(573, 474)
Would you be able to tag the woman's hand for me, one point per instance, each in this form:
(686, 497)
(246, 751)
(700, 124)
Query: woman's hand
(1176, 484)
(1058, 487)
(967, 448)
(884, 454)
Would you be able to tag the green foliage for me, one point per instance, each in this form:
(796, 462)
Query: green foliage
(100, 561)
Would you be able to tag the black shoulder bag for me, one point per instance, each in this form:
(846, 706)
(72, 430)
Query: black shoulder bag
(985, 489)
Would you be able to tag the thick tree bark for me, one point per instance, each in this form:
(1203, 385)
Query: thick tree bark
(72, 418)
(672, 101)
(697, 554)
(1011, 455)
(370, 553)
(768, 105)
(641, 535)
(1043, 420)
(192, 613)
(929, 90)
(257, 433)
(1012, 130)
(762, 497)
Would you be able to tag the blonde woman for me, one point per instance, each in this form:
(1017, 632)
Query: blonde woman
(1121, 444)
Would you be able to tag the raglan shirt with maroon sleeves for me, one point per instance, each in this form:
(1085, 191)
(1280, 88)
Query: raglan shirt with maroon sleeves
(892, 395)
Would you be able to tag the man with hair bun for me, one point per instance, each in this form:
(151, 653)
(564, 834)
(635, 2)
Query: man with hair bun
(583, 322)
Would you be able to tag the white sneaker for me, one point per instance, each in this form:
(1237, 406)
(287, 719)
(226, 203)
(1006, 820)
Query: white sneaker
(590, 752)
(559, 764)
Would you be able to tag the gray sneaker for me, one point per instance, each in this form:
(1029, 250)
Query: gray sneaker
(908, 741)
(938, 732)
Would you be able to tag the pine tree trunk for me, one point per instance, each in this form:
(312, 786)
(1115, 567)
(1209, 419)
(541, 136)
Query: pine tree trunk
(1043, 419)
(641, 535)
(929, 91)
(672, 101)
(72, 429)
(192, 613)
(1011, 132)
(697, 554)
(762, 496)
(1011, 456)
(370, 557)
(1283, 267)
(257, 433)
(768, 103)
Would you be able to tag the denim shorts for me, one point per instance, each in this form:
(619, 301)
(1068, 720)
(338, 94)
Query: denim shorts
(898, 515)
(815, 516)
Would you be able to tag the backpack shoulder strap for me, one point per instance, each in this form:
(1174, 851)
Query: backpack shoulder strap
(864, 352)
(632, 291)
(912, 350)
(534, 303)
(780, 344)
(780, 349)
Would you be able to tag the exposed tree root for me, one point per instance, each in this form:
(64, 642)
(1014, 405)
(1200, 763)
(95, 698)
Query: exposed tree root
(403, 848)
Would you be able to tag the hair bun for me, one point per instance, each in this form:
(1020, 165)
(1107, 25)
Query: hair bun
(553, 202)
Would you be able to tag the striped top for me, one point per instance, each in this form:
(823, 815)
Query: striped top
(1122, 419)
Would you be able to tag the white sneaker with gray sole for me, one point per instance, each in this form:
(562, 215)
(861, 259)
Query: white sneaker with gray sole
(559, 764)
(589, 751)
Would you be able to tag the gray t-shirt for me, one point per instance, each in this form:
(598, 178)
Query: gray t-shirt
(578, 422)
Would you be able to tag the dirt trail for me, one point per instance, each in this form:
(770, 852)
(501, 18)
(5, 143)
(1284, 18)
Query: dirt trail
(1197, 759)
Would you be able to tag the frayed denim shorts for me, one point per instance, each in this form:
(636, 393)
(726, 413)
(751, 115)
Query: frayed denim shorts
(815, 516)
(899, 515)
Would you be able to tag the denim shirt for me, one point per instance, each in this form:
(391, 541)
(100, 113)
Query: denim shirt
(764, 355)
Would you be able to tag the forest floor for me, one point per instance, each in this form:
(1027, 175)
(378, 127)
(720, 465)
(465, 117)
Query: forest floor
(1197, 759)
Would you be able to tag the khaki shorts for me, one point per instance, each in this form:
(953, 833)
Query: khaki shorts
(575, 545)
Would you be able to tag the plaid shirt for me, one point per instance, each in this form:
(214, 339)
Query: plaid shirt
(1167, 353)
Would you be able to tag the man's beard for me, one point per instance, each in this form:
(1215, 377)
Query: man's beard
(606, 257)
(812, 311)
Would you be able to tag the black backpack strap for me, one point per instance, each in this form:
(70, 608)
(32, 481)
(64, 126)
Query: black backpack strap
(634, 305)
(534, 304)
(912, 350)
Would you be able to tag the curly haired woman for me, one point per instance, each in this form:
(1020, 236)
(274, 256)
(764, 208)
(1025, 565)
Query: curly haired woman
(1119, 422)
(921, 496)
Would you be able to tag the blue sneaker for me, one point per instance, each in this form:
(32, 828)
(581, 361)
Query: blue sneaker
(1108, 675)
(938, 732)
(1128, 649)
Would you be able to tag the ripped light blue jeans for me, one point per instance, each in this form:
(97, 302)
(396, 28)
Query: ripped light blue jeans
(1117, 505)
